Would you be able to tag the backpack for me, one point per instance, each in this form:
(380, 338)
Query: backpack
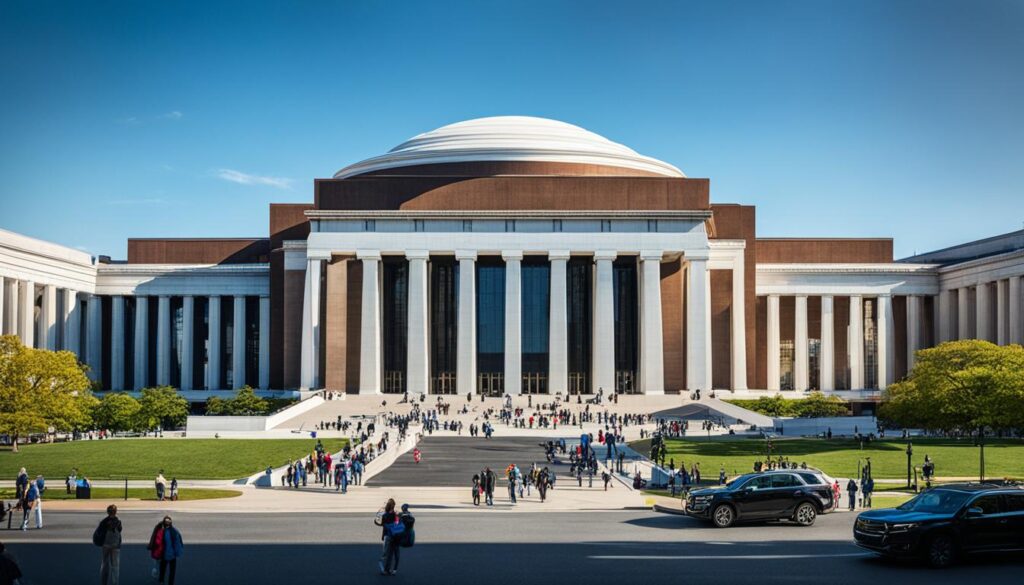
(409, 538)
(395, 529)
(99, 534)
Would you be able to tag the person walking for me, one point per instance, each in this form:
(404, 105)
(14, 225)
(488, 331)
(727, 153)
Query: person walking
(511, 475)
(851, 490)
(606, 478)
(107, 536)
(391, 529)
(416, 455)
(32, 504)
(867, 487)
(166, 546)
(21, 484)
(161, 485)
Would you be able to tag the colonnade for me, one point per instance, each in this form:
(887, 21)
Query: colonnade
(696, 289)
(989, 310)
(54, 324)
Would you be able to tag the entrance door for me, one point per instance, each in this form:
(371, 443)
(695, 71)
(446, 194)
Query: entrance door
(490, 383)
(578, 383)
(535, 383)
(625, 382)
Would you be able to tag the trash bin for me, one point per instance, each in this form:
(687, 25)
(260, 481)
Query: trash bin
(83, 491)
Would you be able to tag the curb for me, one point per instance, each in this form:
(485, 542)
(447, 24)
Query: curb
(666, 510)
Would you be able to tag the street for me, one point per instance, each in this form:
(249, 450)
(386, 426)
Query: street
(495, 546)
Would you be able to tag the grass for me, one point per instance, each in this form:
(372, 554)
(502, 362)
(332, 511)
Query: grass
(887, 501)
(144, 458)
(108, 493)
(839, 457)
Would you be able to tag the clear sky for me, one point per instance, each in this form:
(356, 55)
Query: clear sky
(860, 118)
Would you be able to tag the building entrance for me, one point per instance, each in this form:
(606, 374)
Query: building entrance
(443, 383)
(625, 382)
(535, 383)
(490, 383)
(578, 383)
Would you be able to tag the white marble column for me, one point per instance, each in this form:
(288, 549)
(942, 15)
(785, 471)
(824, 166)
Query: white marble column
(801, 362)
(652, 355)
(70, 322)
(311, 320)
(915, 309)
(238, 344)
(465, 366)
(886, 341)
(3, 306)
(946, 312)
(188, 311)
(213, 381)
(774, 333)
(698, 321)
(264, 347)
(983, 312)
(965, 313)
(418, 357)
(11, 312)
(739, 325)
(1015, 309)
(117, 342)
(558, 323)
(48, 319)
(27, 313)
(163, 341)
(514, 323)
(94, 332)
(370, 365)
(827, 355)
(141, 365)
(855, 342)
(1002, 308)
(603, 344)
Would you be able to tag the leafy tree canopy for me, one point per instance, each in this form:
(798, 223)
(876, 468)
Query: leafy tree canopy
(117, 411)
(243, 403)
(964, 386)
(40, 389)
(162, 406)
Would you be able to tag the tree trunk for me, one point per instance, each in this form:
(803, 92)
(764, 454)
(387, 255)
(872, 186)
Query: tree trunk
(14, 443)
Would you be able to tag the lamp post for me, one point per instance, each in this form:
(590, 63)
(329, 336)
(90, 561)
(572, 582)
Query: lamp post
(910, 454)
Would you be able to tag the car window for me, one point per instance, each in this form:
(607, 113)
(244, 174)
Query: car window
(811, 479)
(1014, 502)
(988, 504)
(782, 480)
(762, 482)
(936, 501)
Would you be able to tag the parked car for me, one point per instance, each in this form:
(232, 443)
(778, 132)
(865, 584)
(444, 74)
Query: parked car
(799, 495)
(944, 523)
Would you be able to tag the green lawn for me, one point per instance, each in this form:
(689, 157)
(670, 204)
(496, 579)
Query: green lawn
(105, 493)
(887, 501)
(839, 457)
(144, 458)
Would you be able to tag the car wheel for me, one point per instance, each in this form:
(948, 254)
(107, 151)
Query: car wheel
(805, 514)
(941, 551)
(723, 516)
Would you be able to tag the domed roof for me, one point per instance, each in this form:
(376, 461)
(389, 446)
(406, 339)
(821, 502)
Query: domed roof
(510, 138)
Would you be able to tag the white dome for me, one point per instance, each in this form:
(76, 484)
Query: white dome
(510, 138)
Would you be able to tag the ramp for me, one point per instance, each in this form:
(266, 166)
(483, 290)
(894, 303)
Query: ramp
(713, 408)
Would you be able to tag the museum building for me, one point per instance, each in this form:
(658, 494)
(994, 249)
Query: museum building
(509, 255)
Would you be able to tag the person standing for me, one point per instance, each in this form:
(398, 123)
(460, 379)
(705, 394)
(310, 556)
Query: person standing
(416, 455)
(21, 484)
(108, 537)
(476, 489)
(391, 529)
(511, 473)
(851, 490)
(488, 480)
(166, 546)
(9, 570)
(608, 478)
(867, 486)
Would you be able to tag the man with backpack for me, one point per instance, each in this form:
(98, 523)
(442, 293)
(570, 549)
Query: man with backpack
(108, 536)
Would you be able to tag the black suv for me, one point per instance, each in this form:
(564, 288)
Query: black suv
(794, 494)
(944, 522)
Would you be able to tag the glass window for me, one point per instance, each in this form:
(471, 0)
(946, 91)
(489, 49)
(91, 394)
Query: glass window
(490, 315)
(810, 478)
(761, 482)
(1014, 502)
(782, 480)
(535, 291)
(936, 502)
(988, 504)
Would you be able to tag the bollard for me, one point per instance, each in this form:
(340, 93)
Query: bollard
(126, 489)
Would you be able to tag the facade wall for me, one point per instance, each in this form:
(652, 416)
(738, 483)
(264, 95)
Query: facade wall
(823, 250)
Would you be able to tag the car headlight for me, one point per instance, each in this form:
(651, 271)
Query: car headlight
(902, 527)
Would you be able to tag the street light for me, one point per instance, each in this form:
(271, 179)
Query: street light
(910, 454)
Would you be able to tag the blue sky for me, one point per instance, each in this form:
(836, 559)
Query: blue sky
(177, 119)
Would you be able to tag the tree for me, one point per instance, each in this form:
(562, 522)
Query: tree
(246, 403)
(162, 406)
(817, 405)
(967, 386)
(40, 389)
(243, 403)
(117, 411)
